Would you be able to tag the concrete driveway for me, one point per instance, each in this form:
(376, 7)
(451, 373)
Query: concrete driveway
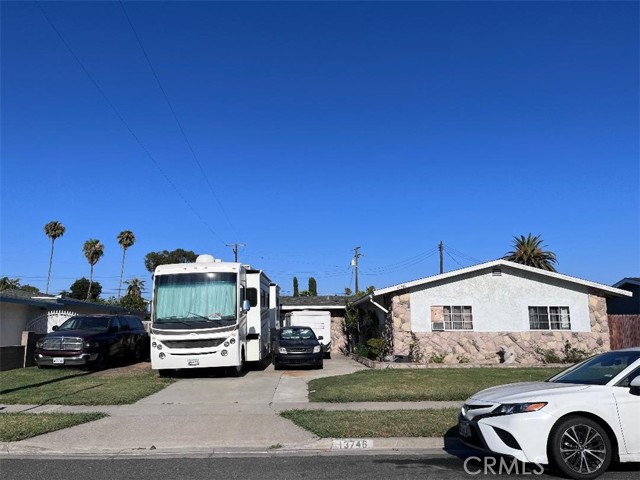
(199, 414)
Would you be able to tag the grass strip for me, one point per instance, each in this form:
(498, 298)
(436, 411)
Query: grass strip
(33, 386)
(412, 385)
(19, 426)
(376, 423)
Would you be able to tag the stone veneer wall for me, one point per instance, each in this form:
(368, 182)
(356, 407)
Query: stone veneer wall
(483, 347)
(338, 338)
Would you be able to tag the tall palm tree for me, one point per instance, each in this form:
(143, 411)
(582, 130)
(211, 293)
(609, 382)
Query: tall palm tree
(126, 239)
(7, 283)
(53, 230)
(530, 251)
(135, 286)
(93, 250)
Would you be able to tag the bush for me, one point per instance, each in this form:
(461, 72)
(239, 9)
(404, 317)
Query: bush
(362, 350)
(415, 352)
(435, 358)
(377, 348)
(569, 354)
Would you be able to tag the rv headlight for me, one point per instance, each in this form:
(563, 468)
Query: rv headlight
(162, 355)
(154, 344)
(282, 350)
(317, 348)
(226, 344)
(159, 347)
(232, 341)
(224, 353)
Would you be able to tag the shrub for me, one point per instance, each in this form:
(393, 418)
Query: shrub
(415, 352)
(362, 350)
(463, 359)
(435, 358)
(377, 348)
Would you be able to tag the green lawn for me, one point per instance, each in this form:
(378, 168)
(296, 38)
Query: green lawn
(410, 384)
(18, 426)
(376, 423)
(77, 387)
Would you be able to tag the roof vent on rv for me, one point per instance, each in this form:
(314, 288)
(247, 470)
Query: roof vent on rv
(205, 259)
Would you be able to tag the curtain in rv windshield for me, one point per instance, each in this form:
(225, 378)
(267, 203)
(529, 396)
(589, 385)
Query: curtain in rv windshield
(208, 299)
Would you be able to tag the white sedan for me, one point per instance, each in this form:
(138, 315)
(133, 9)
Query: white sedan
(577, 421)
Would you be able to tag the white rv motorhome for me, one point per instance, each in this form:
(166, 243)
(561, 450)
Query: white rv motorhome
(211, 314)
(318, 320)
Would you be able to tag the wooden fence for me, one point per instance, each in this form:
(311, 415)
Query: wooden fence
(624, 331)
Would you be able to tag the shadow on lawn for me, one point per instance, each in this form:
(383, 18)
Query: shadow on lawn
(40, 384)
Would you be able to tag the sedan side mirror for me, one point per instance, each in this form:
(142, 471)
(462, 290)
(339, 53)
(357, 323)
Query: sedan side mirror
(635, 386)
(54, 328)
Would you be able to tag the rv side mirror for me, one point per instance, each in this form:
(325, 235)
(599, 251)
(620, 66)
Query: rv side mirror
(246, 305)
(320, 337)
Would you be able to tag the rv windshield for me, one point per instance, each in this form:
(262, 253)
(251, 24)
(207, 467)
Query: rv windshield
(196, 298)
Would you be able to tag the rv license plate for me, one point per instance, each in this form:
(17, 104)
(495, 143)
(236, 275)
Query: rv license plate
(58, 361)
(193, 362)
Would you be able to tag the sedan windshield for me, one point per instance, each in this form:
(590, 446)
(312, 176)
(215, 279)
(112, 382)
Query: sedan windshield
(598, 370)
(296, 334)
(86, 323)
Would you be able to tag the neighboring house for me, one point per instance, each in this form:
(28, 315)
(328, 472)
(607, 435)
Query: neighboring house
(471, 314)
(626, 305)
(335, 304)
(20, 311)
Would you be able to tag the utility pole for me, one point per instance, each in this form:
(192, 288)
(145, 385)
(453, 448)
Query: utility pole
(441, 248)
(235, 249)
(354, 262)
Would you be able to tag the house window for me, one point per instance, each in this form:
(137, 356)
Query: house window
(549, 318)
(457, 318)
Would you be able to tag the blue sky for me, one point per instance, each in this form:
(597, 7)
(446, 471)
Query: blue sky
(314, 128)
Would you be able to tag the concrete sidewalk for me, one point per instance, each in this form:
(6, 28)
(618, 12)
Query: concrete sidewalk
(212, 416)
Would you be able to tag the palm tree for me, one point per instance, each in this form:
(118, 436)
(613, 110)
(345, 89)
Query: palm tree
(7, 283)
(126, 239)
(530, 251)
(53, 230)
(93, 250)
(135, 286)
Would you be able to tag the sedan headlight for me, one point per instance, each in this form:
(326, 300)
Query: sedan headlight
(510, 408)
(317, 349)
(282, 350)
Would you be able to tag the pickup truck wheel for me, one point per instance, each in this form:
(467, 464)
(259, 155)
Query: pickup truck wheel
(101, 362)
(138, 352)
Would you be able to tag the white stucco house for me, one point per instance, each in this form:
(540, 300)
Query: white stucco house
(473, 313)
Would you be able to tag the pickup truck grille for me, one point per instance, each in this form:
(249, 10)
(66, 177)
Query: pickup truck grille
(206, 343)
(62, 343)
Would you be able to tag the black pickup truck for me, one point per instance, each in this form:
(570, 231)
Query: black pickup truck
(93, 341)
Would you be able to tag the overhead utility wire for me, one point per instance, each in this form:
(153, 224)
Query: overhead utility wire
(115, 110)
(463, 255)
(175, 116)
(447, 252)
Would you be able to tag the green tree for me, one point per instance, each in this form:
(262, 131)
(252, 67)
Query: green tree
(165, 257)
(313, 287)
(80, 290)
(530, 251)
(53, 230)
(7, 283)
(93, 251)
(296, 292)
(135, 287)
(133, 299)
(126, 239)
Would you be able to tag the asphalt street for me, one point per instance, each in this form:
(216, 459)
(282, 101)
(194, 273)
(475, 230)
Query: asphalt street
(281, 467)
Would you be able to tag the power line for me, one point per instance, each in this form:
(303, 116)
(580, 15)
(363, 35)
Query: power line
(117, 113)
(175, 116)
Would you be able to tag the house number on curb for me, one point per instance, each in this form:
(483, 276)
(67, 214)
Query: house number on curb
(351, 443)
